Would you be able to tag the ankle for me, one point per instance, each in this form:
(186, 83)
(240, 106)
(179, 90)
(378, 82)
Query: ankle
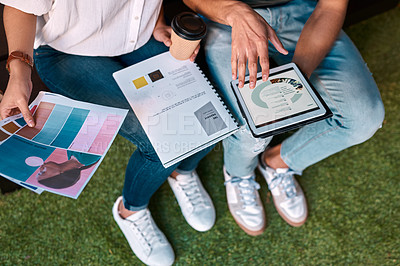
(124, 212)
(174, 174)
(272, 158)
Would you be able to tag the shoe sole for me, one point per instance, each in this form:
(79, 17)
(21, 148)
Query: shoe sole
(284, 217)
(246, 230)
(294, 224)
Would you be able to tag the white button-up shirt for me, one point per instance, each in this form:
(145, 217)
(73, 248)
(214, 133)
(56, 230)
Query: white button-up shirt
(92, 27)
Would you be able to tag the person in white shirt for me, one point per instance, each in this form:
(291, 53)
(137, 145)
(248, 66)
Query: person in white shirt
(76, 46)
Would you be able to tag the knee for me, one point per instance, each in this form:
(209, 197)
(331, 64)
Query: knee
(360, 124)
(244, 142)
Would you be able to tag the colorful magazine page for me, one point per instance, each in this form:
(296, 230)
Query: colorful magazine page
(62, 152)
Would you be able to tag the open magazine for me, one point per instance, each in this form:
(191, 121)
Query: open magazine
(180, 111)
(62, 152)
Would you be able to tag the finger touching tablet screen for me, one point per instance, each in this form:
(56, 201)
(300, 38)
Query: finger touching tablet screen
(284, 102)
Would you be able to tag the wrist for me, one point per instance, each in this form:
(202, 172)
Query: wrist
(19, 70)
(19, 56)
(236, 11)
(19, 83)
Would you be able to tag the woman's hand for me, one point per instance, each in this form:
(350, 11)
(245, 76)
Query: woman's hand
(162, 33)
(20, 28)
(16, 99)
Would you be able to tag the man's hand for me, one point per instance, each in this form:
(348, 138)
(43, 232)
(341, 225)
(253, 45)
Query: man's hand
(250, 35)
(319, 34)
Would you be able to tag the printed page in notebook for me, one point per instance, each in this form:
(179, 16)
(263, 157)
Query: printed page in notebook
(62, 152)
(176, 106)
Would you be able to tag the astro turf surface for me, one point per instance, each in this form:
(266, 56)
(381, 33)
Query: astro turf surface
(353, 197)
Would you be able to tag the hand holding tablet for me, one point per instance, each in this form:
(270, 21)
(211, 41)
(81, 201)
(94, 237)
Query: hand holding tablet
(285, 101)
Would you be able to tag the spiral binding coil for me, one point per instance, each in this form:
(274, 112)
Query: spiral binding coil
(217, 94)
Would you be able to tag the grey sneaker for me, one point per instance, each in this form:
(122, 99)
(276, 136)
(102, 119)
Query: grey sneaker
(288, 196)
(195, 203)
(244, 203)
(147, 241)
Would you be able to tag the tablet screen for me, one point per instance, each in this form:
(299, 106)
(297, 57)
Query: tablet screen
(283, 96)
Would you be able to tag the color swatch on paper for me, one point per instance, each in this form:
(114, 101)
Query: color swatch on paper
(11, 127)
(71, 128)
(156, 75)
(140, 82)
(3, 135)
(53, 124)
(41, 115)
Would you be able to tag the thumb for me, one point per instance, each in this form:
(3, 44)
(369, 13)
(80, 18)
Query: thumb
(276, 42)
(23, 107)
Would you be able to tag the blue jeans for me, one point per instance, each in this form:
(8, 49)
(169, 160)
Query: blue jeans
(342, 79)
(90, 79)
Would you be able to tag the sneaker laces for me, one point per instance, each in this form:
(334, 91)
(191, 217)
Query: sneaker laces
(287, 181)
(145, 227)
(246, 189)
(190, 188)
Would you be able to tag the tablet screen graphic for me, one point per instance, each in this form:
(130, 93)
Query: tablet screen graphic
(277, 99)
(284, 102)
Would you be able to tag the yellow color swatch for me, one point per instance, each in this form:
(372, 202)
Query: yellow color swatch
(140, 82)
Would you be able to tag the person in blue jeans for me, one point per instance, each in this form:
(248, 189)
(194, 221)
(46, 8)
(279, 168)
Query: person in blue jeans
(75, 53)
(309, 34)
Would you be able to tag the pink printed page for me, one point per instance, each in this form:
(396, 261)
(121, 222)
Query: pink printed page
(106, 134)
(89, 131)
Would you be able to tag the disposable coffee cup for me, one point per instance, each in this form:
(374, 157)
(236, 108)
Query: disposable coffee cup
(187, 31)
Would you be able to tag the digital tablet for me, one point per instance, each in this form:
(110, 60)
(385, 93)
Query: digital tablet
(286, 101)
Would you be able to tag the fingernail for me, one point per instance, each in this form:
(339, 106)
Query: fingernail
(233, 77)
(264, 77)
(30, 123)
(240, 83)
(252, 84)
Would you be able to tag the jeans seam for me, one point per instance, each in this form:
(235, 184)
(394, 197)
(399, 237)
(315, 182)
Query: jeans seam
(144, 166)
(286, 159)
(331, 98)
(322, 133)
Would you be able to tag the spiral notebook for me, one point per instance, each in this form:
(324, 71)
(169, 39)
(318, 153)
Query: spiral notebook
(176, 105)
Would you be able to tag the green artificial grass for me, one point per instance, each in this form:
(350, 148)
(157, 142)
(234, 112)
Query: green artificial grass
(353, 197)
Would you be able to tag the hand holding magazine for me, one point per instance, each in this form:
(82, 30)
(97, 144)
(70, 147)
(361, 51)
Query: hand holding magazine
(62, 152)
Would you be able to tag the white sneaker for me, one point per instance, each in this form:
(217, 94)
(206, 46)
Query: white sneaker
(244, 203)
(289, 199)
(147, 241)
(195, 203)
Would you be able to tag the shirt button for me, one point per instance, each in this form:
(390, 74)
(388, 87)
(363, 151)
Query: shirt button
(132, 41)
(136, 17)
